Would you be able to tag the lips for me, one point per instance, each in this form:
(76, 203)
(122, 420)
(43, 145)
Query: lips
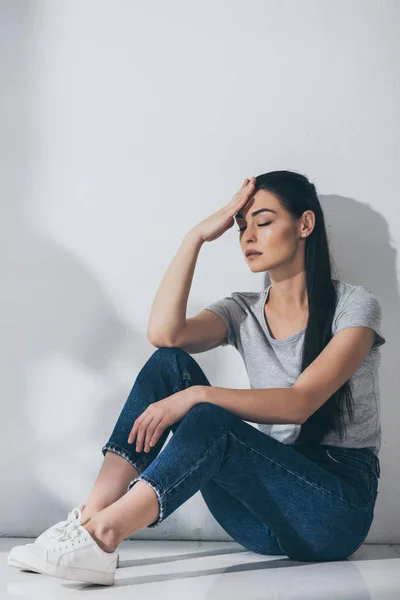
(253, 253)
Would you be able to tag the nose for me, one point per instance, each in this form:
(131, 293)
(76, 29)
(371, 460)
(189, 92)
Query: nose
(248, 235)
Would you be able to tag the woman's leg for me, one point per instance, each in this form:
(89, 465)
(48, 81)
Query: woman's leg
(319, 522)
(316, 512)
(240, 522)
(166, 372)
(111, 483)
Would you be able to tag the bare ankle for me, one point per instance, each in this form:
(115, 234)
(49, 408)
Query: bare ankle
(85, 514)
(84, 520)
(104, 536)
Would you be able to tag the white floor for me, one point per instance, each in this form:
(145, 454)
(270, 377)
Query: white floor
(176, 570)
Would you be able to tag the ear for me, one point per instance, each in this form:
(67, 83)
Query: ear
(307, 223)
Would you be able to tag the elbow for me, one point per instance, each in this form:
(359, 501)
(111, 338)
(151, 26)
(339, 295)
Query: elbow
(158, 341)
(151, 338)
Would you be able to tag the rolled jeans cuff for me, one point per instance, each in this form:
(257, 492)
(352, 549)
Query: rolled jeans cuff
(122, 452)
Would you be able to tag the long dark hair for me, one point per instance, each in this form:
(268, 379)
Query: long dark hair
(297, 194)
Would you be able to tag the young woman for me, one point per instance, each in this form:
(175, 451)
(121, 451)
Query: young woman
(302, 484)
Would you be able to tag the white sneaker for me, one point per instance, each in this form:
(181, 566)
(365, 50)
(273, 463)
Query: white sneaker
(19, 556)
(75, 555)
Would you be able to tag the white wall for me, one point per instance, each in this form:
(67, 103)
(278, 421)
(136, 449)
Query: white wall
(123, 124)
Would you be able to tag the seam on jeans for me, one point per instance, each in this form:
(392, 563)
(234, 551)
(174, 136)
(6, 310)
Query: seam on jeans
(195, 466)
(368, 475)
(361, 458)
(310, 483)
(178, 388)
(181, 387)
(118, 450)
(355, 453)
(353, 457)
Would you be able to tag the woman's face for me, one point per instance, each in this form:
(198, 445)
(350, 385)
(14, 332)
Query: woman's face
(273, 232)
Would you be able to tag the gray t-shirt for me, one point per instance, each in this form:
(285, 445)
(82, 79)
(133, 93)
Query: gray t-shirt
(272, 363)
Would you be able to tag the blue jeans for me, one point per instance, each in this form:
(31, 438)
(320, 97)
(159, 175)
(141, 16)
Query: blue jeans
(310, 505)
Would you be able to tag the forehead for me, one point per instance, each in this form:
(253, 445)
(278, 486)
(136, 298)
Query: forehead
(261, 199)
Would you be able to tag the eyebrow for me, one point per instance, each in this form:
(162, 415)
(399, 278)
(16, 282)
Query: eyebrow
(256, 212)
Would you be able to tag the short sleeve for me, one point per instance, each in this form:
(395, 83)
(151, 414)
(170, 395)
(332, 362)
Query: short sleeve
(229, 311)
(361, 308)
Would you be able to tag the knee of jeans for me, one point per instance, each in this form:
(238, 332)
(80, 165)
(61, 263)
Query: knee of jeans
(169, 356)
(165, 352)
(208, 410)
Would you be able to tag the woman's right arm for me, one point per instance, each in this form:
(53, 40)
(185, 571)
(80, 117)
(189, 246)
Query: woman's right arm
(168, 311)
(167, 320)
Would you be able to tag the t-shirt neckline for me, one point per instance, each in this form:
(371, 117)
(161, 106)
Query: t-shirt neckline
(265, 326)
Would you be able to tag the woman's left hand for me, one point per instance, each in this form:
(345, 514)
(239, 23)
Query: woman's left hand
(149, 426)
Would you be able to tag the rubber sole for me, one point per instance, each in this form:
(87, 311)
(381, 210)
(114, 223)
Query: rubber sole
(75, 574)
(84, 575)
(20, 565)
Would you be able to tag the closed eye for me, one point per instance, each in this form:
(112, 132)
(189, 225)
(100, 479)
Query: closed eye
(261, 225)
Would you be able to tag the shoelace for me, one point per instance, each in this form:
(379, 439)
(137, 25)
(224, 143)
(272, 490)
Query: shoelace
(72, 516)
(73, 530)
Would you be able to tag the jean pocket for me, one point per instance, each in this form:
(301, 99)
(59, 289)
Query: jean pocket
(356, 471)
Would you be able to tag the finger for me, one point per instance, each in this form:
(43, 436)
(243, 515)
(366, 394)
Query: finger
(139, 420)
(246, 191)
(241, 195)
(157, 433)
(245, 183)
(249, 191)
(149, 434)
(139, 438)
(250, 185)
(132, 435)
(242, 200)
(142, 433)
